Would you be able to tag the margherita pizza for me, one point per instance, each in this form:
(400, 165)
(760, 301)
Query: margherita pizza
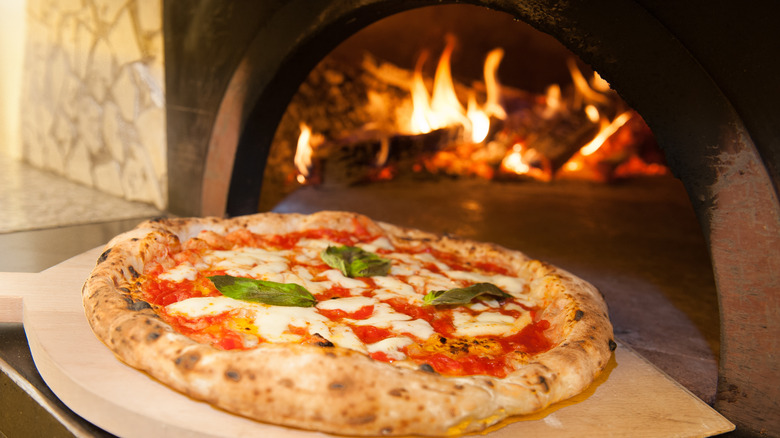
(337, 323)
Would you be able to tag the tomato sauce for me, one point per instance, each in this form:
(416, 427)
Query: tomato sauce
(337, 314)
(214, 330)
(208, 329)
(369, 334)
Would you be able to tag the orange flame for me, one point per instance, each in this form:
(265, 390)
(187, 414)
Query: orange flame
(492, 87)
(442, 108)
(420, 101)
(446, 109)
(304, 152)
(583, 86)
(606, 131)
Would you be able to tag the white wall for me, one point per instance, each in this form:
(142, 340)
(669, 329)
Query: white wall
(12, 31)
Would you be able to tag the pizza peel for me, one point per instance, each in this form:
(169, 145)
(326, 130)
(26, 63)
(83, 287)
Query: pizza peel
(631, 398)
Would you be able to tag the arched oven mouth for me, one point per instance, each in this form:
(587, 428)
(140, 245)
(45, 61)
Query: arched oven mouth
(232, 71)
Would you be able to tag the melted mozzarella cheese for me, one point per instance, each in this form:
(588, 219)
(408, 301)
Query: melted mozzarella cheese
(511, 285)
(383, 317)
(349, 304)
(418, 328)
(390, 287)
(390, 347)
(381, 242)
(343, 336)
(488, 323)
(429, 258)
(184, 271)
(272, 323)
(244, 257)
(427, 281)
(337, 277)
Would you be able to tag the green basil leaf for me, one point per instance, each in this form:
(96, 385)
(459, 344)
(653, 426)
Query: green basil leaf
(355, 262)
(463, 295)
(266, 292)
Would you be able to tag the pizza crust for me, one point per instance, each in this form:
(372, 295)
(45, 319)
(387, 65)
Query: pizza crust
(332, 389)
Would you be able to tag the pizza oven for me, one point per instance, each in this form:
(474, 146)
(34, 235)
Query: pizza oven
(700, 76)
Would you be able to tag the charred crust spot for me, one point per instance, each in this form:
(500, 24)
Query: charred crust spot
(386, 430)
(233, 375)
(287, 383)
(187, 361)
(398, 392)
(362, 419)
(104, 256)
(612, 345)
(337, 386)
(427, 368)
(153, 336)
(138, 306)
(543, 382)
(489, 383)
(125, 290)
(320, 341)
(133, 272)
(578, 315)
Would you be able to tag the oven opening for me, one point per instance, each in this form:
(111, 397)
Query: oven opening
(408, 99)
(460, 119)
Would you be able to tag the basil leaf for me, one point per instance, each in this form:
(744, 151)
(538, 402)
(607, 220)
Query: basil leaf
(463, 295)
(355, 262)
(266, 292)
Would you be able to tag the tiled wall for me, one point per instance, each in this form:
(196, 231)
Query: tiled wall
(93, 95)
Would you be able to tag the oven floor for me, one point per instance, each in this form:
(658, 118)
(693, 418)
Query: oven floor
(638, 241)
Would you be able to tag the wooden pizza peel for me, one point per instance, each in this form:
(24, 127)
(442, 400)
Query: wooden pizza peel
(632, 397)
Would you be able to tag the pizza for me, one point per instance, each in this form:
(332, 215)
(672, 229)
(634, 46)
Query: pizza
(338, 323)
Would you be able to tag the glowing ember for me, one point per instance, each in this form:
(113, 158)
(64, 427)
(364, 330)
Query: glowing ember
(552, 100)
(528, 162)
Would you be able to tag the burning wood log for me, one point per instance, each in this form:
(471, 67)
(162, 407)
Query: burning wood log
(373, 155)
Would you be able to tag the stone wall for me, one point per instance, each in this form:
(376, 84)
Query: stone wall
(93, 98)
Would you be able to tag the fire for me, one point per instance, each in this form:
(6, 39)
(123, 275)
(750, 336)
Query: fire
(304, 151)
(443, 108)
(493, 88)
(480, 122)
(421, 104)
(606, 131)
(446, 109)
(528, 162)
(583, 86)
(581, 131)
